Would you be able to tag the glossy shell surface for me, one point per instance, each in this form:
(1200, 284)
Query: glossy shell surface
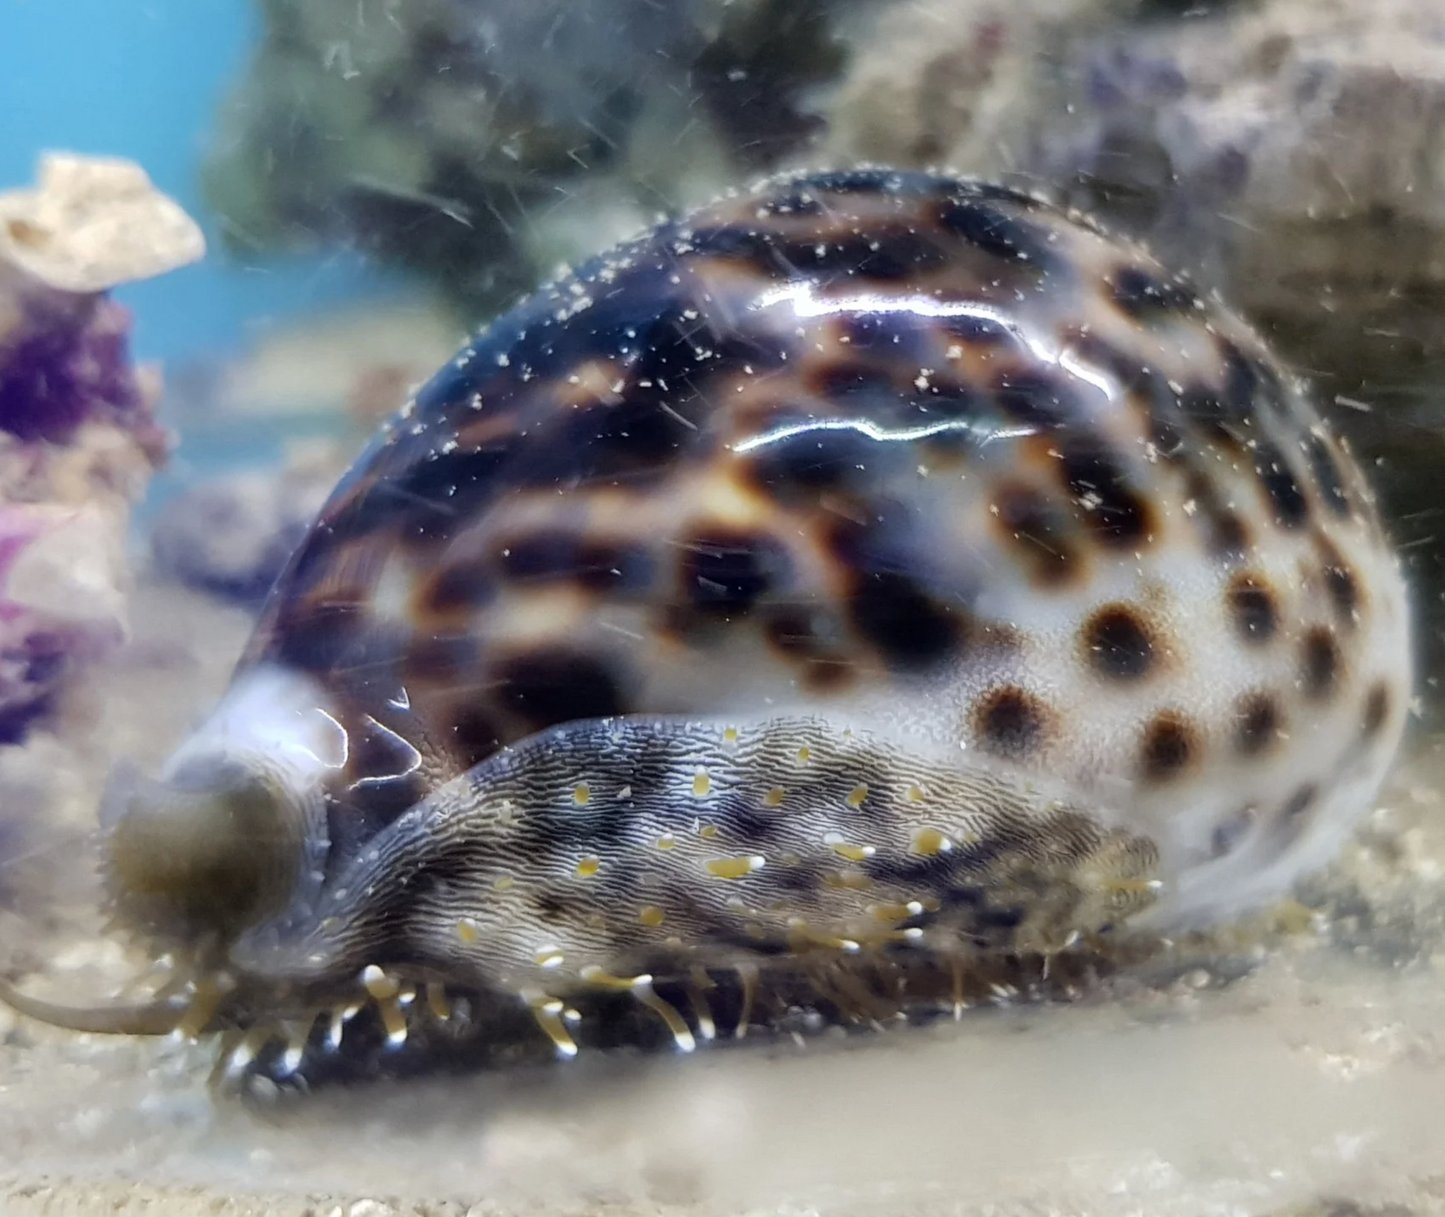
(870, 563)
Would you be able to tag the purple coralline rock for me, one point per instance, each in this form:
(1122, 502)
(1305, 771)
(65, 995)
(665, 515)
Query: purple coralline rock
(35, 650)
(77, 443)
(78, 438)
(64, 366)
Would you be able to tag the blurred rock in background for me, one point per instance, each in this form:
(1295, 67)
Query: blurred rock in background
(480, 143)
(1291, 152)
(230, 536)
(78, 437)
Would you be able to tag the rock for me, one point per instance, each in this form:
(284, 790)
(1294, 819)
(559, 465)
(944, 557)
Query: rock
(478, 143)
(232, 535)
(1292, 152)
(93, 223)
(78, 436)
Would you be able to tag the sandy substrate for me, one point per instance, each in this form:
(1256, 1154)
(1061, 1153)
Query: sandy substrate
(1313, 1084)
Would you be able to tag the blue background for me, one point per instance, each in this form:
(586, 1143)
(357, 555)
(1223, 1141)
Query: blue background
(143, 79)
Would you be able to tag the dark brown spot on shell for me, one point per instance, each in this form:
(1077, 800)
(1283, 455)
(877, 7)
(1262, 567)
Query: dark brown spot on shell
(437, 494)
(606, 566)
(1217, 416)
(911, 629)
(1138, 379)
(1252, 607)
(1328, 477)
(1036, 399)
(947, 398)
(1117, 514)
(1258, 723)
(980, 333)
(547, 554)
(1225, 534)
(555, 685)
(1169, 747)
(317, 639)
(735, 243)
(1117, 643)
(674, 349)
(884, 253)
(1319, 663)
(898, 335)
(459, 588)
(793, 631)
(1167, 438)
(443, 659)
(1377, 710)
(1229, 535)
(813, 640)
(846, 383)
(828, 674)
(634, 441)
(726, 573)
(1290, 507)
(1010, 722)
(1039, 534)
(560, 555)
(1242, 382)
(1344, 590)
(800, 461)
(1145, 297)
(992, 230)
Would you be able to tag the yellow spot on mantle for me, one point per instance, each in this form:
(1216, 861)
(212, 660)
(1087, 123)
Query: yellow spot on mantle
(701, 783)
(666, 841)
(846, 849)
(467, 931)
(581, 794)
(589, 866)
(548, 957)
(734, 868)
(895, 912)
(805, 753)
(857, 795)
(774, 797)
(929, 842)
(730, 735)
(651, 915)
